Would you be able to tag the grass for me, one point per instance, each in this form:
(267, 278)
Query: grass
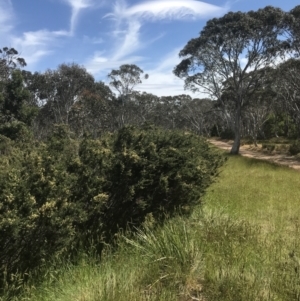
(267, 198)
(241, 245)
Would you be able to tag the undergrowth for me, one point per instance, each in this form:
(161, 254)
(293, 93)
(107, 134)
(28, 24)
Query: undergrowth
(241, 245)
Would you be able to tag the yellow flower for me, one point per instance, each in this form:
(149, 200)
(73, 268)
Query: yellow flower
(100, 198)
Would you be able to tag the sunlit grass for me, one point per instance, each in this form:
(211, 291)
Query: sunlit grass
(263, 193)
(241, 245)
(267, 197)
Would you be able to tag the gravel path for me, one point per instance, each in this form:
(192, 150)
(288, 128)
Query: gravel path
(245, 151)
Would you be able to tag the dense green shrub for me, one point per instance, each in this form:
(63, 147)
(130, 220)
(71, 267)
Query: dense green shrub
(61, 194)
(5, 145)
(16, 130)
(279, 125)
(36, 217)
(295, 148)
(157, 172)
(124, 177)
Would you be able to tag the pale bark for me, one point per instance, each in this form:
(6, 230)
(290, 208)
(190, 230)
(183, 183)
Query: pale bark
(237, 130)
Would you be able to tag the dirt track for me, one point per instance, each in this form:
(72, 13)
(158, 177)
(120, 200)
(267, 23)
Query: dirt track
(245, 151)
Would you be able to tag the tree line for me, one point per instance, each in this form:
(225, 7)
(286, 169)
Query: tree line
(246, 63)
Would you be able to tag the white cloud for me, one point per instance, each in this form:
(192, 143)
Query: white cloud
(163, 84)
(132, 18)
(130, 41)
(100, 65)
(39, 38)
(77, 6)
(162, 81)
(34, 45)
(169, 61)
(167, 9)
(128, 21)
(6, 16)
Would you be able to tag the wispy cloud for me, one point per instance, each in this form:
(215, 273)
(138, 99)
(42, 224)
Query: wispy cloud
(34, 45)
(128, 21)
(6, 16)
(77, 6)
(162, 81)
(100, 64)
(133, 17)
(130, 41)
(167, 9)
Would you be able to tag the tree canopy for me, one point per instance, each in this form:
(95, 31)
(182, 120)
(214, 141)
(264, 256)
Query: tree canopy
(9, 61)
(125, 79)
(227, 49)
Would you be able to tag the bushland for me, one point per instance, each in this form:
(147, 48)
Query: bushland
(63, 195)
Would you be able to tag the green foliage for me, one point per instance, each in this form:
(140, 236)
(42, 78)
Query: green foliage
(5, 145)
(124, 177)
(295, 148)
(36, 217)
(279, 140)
(16, 98)
(157, 172)
(243, 244)
(126, 78)
(226, 57)
(279, 125)
(15, 130)
(62, 195)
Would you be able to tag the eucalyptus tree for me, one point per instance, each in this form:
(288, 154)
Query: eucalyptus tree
(125, 79)
(146, 104)
(90, 114)
(225, 52)
(293, 30)
(198, 115)
(170, 111)
(260, 104)
(62, 88)
(9, 60)
(286, 84)
(16, 104)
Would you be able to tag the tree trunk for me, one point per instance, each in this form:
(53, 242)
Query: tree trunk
(237, 130)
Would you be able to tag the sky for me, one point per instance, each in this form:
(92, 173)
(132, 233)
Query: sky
(102, 35)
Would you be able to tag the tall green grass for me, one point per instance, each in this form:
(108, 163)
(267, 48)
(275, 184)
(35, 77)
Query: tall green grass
(266, 265)
(242, 245)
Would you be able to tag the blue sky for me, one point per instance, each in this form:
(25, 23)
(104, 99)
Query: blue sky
(104, 34)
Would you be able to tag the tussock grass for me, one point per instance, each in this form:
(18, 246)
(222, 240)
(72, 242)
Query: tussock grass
(242, 245)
